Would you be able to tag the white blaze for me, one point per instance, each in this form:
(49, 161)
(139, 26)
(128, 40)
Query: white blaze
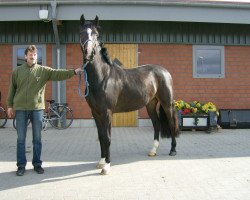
(89, 42)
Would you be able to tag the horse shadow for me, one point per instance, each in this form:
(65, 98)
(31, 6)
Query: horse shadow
(190, 145)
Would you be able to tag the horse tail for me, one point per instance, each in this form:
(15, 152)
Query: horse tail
(165, 126)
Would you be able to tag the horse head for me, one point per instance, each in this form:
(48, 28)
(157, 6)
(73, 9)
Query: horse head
(89, 37)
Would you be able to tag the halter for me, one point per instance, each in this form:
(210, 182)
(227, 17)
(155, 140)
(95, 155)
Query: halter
(85, 42)
(88, 40)
(84, 65)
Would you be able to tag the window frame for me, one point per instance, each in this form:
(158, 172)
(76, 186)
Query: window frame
(222, 61)
(16, 47)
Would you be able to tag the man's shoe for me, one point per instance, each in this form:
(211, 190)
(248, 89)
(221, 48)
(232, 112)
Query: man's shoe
(20, 171)
(39, 169)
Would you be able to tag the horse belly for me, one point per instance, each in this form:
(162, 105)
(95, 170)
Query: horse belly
(135, 95)
(131, 104)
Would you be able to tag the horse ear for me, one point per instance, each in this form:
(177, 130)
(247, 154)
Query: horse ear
(82, 20)
(97, 20)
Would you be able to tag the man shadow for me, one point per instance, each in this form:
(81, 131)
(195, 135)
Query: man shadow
(52, 174)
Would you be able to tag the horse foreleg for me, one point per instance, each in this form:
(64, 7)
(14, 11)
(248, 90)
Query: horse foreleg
(104, 134)
(101, 163)
(106, 167)
(102, 129)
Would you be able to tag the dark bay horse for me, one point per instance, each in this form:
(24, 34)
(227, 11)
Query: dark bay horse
(113, 89)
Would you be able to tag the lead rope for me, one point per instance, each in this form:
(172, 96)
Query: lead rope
(86, 82)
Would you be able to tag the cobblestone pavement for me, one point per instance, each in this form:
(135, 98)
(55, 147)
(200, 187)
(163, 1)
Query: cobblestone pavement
(207, 166)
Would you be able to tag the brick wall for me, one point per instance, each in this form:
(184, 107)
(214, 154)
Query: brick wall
(5, 70)
(229, 92)
(78, 105)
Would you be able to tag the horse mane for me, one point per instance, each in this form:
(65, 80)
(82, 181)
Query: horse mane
(105, 56)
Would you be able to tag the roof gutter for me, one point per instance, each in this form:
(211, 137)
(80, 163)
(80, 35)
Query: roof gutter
(234, 4)
(165, 3)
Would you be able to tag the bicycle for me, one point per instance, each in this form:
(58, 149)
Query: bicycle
(3, 114)
(59, 116)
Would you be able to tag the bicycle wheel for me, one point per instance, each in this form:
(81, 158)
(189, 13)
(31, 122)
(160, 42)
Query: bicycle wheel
(14, 122)
(60, 116)
(45, 121)
(3, 117)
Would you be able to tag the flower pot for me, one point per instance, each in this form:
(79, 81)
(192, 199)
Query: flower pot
(197, 121)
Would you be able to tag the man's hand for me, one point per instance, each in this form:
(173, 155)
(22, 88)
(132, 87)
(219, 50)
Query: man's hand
(78, 71)
(10, 112)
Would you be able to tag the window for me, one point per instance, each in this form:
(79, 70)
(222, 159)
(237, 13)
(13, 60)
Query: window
(18, 55)
(208, 62)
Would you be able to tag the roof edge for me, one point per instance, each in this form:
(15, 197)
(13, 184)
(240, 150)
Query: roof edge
(215, 4)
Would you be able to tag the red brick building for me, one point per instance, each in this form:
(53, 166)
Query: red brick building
(204, 44)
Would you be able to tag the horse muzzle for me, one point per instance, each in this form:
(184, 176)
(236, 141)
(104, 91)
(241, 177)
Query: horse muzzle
(88, 50)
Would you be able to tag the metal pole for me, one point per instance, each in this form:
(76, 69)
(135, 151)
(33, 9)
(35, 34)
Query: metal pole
(58, 50)
(58, 53)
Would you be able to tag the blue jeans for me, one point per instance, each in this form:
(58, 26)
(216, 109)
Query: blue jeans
(22, 117)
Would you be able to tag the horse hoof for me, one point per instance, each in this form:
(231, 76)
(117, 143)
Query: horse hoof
(100, 166)
(104, 172)
(151, 154)
(172, 153)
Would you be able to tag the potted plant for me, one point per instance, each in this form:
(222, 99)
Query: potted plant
(196, 115)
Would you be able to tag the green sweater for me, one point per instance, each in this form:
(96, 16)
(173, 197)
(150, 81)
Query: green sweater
(27, 87)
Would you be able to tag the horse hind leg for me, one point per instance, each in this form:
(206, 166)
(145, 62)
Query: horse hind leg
(175, 132)
(151, 109)
(169, 125)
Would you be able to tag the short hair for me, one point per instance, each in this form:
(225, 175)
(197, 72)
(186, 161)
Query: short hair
(31, 48)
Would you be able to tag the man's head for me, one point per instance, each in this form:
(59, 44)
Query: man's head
(31, 55)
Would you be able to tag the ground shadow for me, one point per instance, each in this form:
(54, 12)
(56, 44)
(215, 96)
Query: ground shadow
(52, 174)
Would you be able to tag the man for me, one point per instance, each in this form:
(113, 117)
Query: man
(26, 99)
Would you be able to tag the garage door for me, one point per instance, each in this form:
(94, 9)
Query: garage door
(127, 55)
